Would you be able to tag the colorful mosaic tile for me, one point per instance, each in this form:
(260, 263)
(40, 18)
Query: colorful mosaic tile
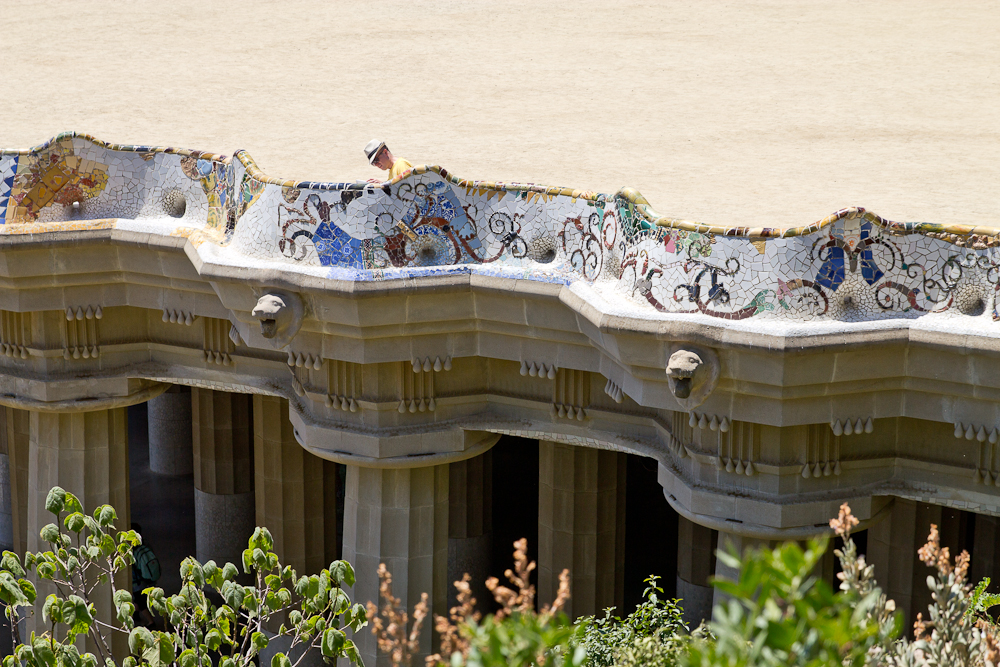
(850, 266)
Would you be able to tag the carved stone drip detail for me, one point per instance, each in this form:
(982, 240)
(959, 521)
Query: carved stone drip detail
(711, 422)
(13, 335)
(985, 472)
(300, 359)
(851, 427)
(80, 338)
(822, 455)
(175, 316)
(343, 385)
(613, 390)
(737, 444)
(535, 369)
(418, 388)
(571, 394)
(426, 365)
(218, 345)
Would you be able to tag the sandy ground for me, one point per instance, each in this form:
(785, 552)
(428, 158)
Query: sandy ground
(747, 112)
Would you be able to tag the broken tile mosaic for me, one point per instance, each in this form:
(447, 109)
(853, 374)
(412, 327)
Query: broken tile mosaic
(851, 266)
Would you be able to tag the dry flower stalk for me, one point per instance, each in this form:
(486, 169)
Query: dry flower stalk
(452, 640)
(523, 600)
(389, 625)
(845, 522)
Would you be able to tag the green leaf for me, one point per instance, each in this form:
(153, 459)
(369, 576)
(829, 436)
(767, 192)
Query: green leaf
(351, 651)
(166, 648)
(50, 533)
(71, 503)
(45, 570)
(192, 571)
(261, 539)
(75, 522)
(213, 639)
(247, 561)
(139, 639)
(229, 571)
(187, 658)
(105, 516)
(259, 641)
(12, 564)
(43, 652)
(55, 501)
(280, 660)
(52, 609)
(10, 590)
(342, 573)
(333, 642)
(28, 589)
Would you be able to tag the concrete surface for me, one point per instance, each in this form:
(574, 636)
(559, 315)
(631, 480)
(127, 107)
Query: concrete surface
(758, 112)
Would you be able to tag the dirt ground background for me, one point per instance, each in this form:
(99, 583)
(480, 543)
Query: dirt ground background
(749, 112)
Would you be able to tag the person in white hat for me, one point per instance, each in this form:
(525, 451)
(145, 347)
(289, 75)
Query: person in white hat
(380, 156)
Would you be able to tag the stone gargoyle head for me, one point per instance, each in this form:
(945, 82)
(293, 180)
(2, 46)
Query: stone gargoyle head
(280, 315)
(692, 373)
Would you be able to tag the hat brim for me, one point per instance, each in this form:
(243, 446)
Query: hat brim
(374, 154)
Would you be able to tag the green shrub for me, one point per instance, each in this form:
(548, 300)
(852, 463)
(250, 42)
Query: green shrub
(651, 632)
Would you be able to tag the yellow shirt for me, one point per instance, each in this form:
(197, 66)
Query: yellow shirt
(398, 167)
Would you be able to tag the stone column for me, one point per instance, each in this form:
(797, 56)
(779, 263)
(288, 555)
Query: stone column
(581, 526)
(296, 492)
(170, 432)
(6, 478)
(223, 475)
(398, 517)
(741, 544)
(470, 525)
(695, 560)
(17, 429)
(892, 549)
(85, 453)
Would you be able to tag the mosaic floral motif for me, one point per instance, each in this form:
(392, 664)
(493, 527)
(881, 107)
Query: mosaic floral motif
(852, 265)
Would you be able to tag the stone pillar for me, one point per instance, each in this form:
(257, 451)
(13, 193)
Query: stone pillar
(581, 526)
(6, 478)
(17, 428)
(85, 453)
(223, 475)
(695, 560)
(741, 544)
(398, 517)
(296, 492)
(892, 549)
(170, 432)
(470, 525)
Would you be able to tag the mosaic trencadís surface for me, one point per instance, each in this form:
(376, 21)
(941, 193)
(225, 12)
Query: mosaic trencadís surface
(852, 265)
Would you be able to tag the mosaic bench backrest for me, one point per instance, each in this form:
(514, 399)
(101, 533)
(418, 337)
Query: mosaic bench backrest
(853, 265)
(77, 178)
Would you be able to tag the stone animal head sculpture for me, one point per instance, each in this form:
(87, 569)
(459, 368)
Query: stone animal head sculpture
(692, 373)
(280, 315)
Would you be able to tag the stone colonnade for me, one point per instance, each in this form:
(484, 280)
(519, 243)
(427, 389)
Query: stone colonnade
(427, 524)
(85, 453)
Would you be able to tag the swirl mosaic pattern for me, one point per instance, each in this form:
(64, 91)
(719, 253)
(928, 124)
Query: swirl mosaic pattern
(853, 265)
